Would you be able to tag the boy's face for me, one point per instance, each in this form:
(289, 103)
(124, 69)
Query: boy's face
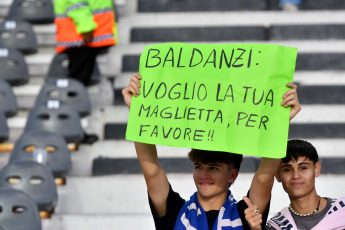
(298, 177)
(213, 179)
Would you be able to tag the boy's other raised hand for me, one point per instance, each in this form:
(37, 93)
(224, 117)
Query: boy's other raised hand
(252, 215)
(291, 99)
(131, 89)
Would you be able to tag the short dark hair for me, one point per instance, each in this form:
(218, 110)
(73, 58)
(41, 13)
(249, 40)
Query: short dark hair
(206, 157)
(300, 148)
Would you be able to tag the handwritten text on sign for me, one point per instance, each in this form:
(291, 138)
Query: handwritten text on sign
(215, 97)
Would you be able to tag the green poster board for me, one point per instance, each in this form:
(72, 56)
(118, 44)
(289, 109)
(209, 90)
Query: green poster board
(224, 97)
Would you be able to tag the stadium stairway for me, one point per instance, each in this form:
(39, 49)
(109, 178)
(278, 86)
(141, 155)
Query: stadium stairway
(105, 189)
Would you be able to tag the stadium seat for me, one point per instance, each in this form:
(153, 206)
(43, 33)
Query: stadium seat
(59, 68)
(34, 11)
(18, 35)
(33, 178)
(18, 211)
(13, 67)
(54, 116)
(44, 147)
(8, 102)
(4, 132)
(68, 91)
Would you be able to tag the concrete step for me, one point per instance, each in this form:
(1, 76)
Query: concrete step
(100, 95)
(196, 34)
(223, 5)
(306, 32)
(321, 5)
(238, 33)
(216, 5)
(330, 94)
(38, 64)
(225, 19)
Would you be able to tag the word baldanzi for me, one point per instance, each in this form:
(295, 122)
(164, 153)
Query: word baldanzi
(234, 58)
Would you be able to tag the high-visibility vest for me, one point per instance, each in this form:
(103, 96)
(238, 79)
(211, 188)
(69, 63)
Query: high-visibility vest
(74, 17)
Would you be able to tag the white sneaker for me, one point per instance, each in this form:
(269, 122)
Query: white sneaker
(289, 7)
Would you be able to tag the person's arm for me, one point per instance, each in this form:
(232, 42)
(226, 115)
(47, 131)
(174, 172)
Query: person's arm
(156, 180)
(262, 183)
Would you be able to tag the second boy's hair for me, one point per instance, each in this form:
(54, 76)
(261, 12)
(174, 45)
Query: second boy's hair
(300, 148)
(205, 157)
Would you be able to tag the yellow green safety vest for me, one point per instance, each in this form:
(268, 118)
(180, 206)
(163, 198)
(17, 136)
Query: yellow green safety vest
(74, 17)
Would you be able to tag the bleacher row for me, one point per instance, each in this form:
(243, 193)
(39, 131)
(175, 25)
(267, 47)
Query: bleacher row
(104, 188)
(39, 159)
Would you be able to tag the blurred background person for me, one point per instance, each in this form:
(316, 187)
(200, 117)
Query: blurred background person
(290, 5)
(84, 29)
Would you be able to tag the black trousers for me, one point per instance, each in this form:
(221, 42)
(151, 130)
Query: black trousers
(82, 63)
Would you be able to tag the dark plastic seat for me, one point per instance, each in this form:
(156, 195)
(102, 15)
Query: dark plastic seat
(18, 35)
(13, 67)
(8, 103)
(33, 178)
(45, 148)
(56, 117)
(4, 132)
(34, 11)
(59, 68)
(18, 211)
(68, 91)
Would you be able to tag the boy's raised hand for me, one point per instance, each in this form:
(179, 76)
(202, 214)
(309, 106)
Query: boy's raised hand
(132, 89)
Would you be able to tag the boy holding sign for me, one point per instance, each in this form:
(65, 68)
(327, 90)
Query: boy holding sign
(307, 210)
(212, 206)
